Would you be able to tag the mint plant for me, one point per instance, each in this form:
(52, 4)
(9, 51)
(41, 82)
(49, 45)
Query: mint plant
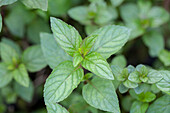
(15, 65)
(91, 54)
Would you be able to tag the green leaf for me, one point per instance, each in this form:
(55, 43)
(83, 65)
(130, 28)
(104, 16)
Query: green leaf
(12, 44)
(164, 56)
(122, 88)
(139, 107)
(14, 17)
(0, 22)
(56, 108)
(105, 11)
(127, 102)
(66, 35)
(80, 14)
(21, 75)
(5, 75)
(95, 63)
(35, 28)
(110, 39)
(8, 54)
(87, 44)
(59, 7)
(100, 93)
(25, 93)
(133, 12)
(130, 84)
(62, 81)
(164, 84)
(158, 16)
(34, 4)
(8, 95)
(6, 2)
(155, 42)
(116, 2)
(134, 77)
(161, 105)
(119, 60)
(77, 58)
(154, 76)
(33, 58)
(53, 53)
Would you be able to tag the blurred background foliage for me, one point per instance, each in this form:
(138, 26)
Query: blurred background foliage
(149, 44)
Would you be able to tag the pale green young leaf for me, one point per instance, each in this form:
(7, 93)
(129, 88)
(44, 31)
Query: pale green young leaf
(100, 93)
(53, 53)
(56, 108)
(26, 93)
(6, 2)
(5, 75)
(21, 75)
(139, 107)
(87, 44)
(144, 96)
(164, 56)
(66, 36)
(95, 63)
(110, 39)
(12, 44)
(62, 81)
(154, 76)
(134, 77)
(161, 105)
(33, 58)
(36, 4)
(155, 42)
(77, 58)
(122, 88)
(80, 14)
(8, 54)
(158, 16)
(119, 60)
(130, 84)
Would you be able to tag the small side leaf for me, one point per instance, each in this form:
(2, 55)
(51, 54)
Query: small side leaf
(77, 58)
(95, 63)
(21, 76)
